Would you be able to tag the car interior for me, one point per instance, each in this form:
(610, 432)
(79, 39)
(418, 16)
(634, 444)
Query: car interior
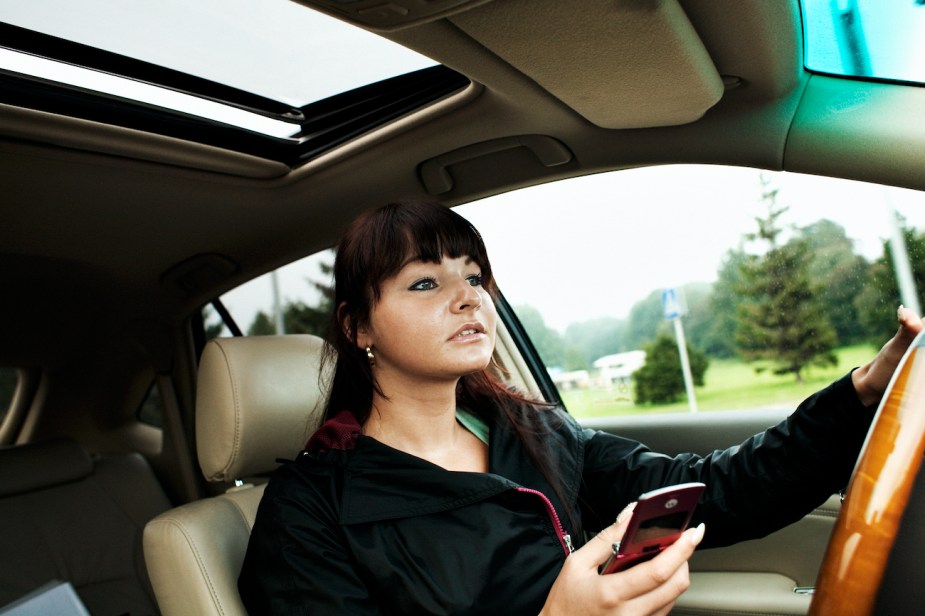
(138, 425)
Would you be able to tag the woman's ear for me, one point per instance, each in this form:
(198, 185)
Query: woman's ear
(360, 337)
(343, 317)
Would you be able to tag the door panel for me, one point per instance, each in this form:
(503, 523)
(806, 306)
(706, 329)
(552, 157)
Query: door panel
(754, 577)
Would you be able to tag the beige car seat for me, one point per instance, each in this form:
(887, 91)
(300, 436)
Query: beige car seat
(70, 516)
(258, 399)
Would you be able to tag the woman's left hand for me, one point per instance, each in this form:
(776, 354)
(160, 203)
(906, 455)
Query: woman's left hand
(871, 379)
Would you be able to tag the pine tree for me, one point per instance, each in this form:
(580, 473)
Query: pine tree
(781, 317)
(262, 326)
(723, 307)
(841, 276)
(299, 317)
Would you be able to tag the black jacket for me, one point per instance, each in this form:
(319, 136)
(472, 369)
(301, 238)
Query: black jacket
(355, 527)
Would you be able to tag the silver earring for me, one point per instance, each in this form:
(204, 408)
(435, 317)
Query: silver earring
(370, 356)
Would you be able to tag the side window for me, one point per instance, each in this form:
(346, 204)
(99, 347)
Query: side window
(775, 283)
(9, 379)
(151, 411)
(295, 299)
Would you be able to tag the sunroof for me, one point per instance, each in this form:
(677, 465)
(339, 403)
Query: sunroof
(271, 78)
(273, 48)
(880, 39)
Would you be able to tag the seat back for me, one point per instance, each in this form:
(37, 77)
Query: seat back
(258, 399)
(66, 515)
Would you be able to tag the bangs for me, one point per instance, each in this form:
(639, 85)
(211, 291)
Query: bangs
(424, 232)
(450, 236)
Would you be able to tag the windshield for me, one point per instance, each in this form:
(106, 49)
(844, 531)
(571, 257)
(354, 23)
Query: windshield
(883, 39)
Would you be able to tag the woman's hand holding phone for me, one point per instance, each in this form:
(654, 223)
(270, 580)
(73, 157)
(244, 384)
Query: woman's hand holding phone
(650, 587)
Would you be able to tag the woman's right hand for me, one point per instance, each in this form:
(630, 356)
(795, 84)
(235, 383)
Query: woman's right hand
(648, 588)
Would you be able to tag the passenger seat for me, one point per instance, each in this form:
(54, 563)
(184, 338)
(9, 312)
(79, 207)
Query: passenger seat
(66, 515)
(258, 399)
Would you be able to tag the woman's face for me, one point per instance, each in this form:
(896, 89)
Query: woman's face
(433, 321)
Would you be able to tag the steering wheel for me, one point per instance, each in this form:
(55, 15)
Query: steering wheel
(877, 495)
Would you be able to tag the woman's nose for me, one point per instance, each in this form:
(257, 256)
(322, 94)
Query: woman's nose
(467, 297)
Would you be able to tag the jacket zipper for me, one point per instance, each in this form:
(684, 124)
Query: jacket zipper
(564, 538)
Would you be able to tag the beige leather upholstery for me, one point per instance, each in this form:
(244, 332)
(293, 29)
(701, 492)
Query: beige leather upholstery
(258, 399)
(740, 593)
(67, 515)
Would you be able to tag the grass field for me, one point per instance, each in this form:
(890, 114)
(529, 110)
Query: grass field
(728, 384)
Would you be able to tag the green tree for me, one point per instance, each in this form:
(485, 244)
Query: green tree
(548, 342)
(646, 320)
(592, 339)
(299, 317)
(781, 317)
(262, 326)
(879, 299)
(661, 380)
(840, 274)
(698, 322)
(723, 307)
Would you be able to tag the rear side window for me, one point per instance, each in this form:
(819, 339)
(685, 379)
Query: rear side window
(151, 411)
(9, 380)
(295, 299)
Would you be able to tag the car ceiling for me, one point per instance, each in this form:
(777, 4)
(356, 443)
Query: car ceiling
(106, 227)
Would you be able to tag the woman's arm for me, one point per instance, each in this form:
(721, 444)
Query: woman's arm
(770, 480)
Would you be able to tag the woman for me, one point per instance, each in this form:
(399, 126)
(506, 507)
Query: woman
(432, 488)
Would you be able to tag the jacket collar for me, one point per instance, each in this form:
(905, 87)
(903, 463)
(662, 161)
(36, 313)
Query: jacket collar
(382, 483)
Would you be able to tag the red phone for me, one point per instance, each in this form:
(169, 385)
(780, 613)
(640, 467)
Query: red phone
(658, 520)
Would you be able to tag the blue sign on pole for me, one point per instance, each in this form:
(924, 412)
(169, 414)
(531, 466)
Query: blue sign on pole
(670, 304)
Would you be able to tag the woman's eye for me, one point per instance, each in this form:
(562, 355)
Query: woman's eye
(425, 284)
(475, 280)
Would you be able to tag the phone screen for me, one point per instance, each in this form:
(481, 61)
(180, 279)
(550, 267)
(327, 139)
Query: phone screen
(662, 526)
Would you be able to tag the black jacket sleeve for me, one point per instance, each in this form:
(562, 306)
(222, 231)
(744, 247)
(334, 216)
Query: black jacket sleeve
(297, 561)
(771, 480)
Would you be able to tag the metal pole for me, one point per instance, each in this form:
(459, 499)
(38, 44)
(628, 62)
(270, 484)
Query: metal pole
(908, 294)
(685, 364)
(277, 308)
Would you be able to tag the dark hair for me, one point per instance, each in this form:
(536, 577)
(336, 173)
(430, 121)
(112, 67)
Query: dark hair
(373, 249)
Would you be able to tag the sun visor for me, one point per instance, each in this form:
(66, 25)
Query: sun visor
(618, 63)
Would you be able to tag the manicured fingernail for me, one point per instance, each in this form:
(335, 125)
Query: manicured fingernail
(626, 512)
(697, 535)
(901, 314)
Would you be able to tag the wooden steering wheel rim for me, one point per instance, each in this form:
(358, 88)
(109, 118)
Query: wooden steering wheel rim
(877, 495)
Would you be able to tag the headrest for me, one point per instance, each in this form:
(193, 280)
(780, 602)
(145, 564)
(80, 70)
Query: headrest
(259, 398)
(25, 468)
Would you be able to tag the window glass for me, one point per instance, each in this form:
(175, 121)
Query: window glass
(866, 38)
(295, 299)
(606, 271)
(9, 379)
(275, 48)
(151, 411)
